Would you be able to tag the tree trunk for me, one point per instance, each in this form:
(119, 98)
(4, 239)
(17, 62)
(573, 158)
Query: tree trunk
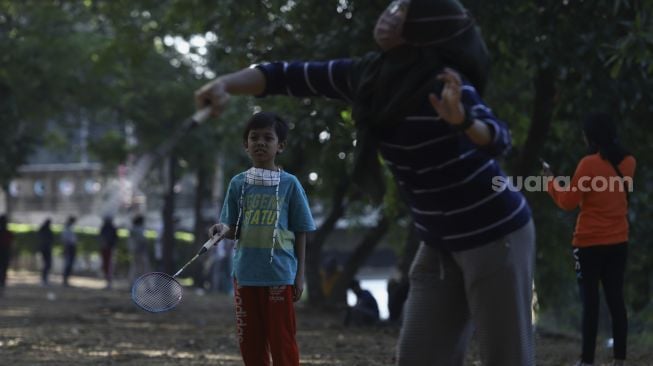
(357, 259)
(202, 191)
(317, 240)
(540, 121)
(168, 216)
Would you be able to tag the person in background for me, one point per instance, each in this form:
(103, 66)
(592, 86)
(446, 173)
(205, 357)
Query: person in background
(158, 248)
(140, 258)
(365, 311)
(108, 241)
(69, 239)
(6, 241)
(329, 275)
(46, 239)
(601, 234)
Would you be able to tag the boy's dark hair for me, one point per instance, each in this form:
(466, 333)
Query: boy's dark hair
(265, 120)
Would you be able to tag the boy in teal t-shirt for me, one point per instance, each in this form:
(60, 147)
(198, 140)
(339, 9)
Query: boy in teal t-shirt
(267, 211)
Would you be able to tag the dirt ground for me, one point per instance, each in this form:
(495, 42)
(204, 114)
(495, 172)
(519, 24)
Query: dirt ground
(87, 325)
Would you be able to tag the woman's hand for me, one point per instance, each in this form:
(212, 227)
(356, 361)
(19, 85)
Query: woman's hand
(249, 81)
(450, 107)
(213, 94)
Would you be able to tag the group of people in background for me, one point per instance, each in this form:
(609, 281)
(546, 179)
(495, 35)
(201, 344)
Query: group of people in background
(137, 246)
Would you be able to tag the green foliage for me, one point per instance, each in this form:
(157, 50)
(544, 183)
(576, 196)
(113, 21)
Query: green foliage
(110, 148)
(114, 63)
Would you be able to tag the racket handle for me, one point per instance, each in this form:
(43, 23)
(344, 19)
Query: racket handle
(209, 243)
(201, 115)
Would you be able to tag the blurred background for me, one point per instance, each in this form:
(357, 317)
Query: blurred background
(90, 88)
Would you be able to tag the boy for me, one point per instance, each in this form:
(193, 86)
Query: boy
(266, 210)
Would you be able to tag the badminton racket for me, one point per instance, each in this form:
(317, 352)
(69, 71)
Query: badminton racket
(146, 161)
(156, 292)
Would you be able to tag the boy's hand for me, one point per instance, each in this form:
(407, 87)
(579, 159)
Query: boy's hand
(218, 229)
(298, 288)
(213, 94)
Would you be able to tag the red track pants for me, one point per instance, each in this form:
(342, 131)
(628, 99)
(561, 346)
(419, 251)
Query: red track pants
(265, 321)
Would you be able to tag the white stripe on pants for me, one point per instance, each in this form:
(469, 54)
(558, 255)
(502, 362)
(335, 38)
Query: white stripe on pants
(488, 288)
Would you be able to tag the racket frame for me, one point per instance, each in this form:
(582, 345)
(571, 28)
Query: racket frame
(205, 247)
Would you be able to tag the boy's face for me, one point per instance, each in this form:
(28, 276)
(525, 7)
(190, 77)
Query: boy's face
(262, 146)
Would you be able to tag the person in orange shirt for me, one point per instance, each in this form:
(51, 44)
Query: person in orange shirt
(600, 187)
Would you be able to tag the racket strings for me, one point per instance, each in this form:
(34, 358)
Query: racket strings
(156, 292)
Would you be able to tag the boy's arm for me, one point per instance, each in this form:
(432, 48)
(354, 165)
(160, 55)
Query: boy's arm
(300, 252)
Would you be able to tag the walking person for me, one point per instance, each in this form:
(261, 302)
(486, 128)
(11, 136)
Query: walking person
(108, 241)
(267, 212)
(6, 242)
(69, 239)
(601, 234)
(417, 102)
(46, 240)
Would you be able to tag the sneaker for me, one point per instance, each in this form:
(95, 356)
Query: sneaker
(581, 363)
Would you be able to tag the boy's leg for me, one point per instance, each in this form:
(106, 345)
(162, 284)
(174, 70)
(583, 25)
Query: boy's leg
(587, 273)
(436, 327)
(105, 262)
(499, 281)
(250, 325)
(613, 287)
(47, 263)
(281, 326)
(70, 261)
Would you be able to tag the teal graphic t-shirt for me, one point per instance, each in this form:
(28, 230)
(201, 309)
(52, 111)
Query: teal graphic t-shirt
(252, 265)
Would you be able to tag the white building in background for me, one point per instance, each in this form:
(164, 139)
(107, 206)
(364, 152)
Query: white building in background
(56, 191)
(85, 191)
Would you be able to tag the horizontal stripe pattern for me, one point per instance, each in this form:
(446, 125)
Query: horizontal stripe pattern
(447, 180)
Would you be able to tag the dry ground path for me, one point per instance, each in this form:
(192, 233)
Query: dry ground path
(87, 325)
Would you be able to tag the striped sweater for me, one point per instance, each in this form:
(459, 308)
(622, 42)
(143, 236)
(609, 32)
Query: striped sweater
(447, 180)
